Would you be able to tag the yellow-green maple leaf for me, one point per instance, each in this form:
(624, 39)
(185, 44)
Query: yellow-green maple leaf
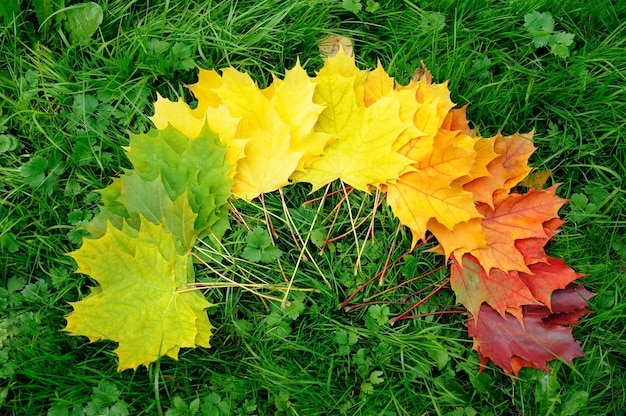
(142, 302)
(191, 123)
(130, 196)
(195, 166)
(360, 152)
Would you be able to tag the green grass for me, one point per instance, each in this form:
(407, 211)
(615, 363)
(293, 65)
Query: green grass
(66, 111)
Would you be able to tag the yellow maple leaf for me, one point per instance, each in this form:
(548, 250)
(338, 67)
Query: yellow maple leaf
(269, 158)
(292, 99)
(179, 115)
(204, 90)
(360, 152)
(274, 134)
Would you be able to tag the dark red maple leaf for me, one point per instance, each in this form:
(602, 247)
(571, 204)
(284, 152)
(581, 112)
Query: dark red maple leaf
(543, 337)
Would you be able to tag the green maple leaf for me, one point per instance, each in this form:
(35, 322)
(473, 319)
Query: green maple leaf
(197, 166)
(130, 195)
(141, 302)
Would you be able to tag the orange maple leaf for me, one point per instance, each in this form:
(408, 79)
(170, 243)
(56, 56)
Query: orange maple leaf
(428, 193)
(506, 170)
(513, 217)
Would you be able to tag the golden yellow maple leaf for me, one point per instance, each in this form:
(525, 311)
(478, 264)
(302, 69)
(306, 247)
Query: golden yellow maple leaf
(427, 192)
(377, 84)
(433, 107)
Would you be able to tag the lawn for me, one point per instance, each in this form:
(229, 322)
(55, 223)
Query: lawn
(74, 92)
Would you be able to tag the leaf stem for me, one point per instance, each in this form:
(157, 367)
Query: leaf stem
(403, 315)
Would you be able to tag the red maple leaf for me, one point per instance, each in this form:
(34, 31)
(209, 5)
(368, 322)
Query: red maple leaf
(543, 337)
(509, 291)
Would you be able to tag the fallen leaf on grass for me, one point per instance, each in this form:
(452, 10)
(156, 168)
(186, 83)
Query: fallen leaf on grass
(542, 338)
(141, 302)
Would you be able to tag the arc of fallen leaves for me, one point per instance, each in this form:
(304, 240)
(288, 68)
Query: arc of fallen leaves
(360, 127)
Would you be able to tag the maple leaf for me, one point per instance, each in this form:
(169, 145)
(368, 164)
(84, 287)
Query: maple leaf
(568, 305)
(473, 287)
(360, 151)
(427, 192)
(506, 170)
(509, 291)
(543, 337)
(292, 98)
(514, 217)
(446, 156)
(179, 115)
(269, 159)
(433, 107)
(191, 123)
(274, 133)
(547, 277)
(547, 274)
(205, 89)
(377, 84)
(130, 196)
(456, 120)
(532, 248)
(196, 166)
(141, 302)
